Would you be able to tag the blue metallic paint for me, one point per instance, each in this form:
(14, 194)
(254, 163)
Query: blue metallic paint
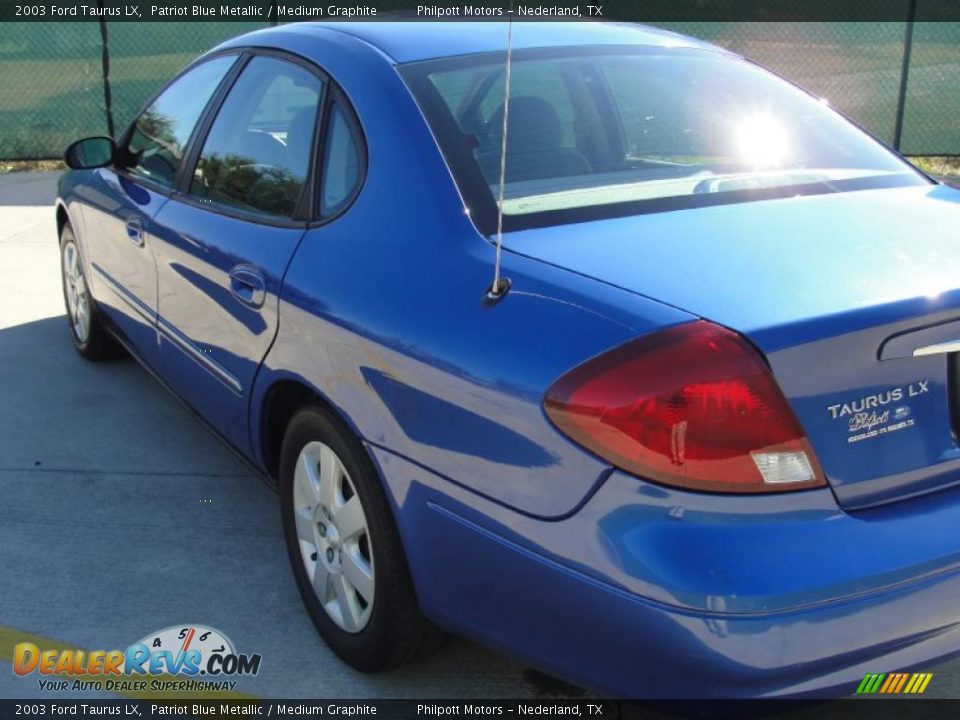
(211, 343)
(122, 274)
(405, 42)
(601, 577)
(413, 317)
(886, 263)
(548, 596)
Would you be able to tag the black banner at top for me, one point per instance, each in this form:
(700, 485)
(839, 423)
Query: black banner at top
(280, 11)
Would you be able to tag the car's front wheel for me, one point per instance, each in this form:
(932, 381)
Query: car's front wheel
(90, 337)
(345, 550)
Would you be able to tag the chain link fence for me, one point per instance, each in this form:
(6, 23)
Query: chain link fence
(57, 80)
(52, 76)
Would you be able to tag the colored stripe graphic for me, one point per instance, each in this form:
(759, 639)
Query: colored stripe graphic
(918, 683)
(901, 681)
(894, 683)
(870, 684)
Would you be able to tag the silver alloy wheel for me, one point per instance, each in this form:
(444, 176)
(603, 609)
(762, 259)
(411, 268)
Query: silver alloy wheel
(78, 299)
(334, 540)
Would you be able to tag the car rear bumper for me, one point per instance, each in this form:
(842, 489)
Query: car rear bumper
(648, 593)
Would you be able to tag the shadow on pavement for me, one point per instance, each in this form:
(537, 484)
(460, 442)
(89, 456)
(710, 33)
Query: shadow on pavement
(29, 188)
(125, 516)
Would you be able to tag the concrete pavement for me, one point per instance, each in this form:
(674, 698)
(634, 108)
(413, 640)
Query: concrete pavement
(121, 515)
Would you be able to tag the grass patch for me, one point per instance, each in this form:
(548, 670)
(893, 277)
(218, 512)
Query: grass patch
(11, 166)
(937, 165)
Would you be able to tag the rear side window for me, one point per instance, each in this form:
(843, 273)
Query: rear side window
(341, 164)
(257, 153)
(160, 134)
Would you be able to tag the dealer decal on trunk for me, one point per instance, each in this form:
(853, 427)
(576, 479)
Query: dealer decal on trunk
(879, 414)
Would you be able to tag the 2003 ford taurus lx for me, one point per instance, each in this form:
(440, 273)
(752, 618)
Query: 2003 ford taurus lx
(699, 437)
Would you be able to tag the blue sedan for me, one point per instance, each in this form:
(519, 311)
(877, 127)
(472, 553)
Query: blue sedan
(636, 361)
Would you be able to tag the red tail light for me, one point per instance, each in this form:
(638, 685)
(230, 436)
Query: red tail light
(693, 406)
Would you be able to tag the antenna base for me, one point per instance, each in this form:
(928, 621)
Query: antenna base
(497, 291)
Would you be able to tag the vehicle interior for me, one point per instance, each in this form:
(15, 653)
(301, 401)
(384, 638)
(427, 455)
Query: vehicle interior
(606, 129)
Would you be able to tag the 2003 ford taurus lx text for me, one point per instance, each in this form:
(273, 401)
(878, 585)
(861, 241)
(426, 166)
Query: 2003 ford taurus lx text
(698, 438)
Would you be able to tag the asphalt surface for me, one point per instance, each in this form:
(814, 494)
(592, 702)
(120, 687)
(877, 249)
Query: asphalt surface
(121, 515)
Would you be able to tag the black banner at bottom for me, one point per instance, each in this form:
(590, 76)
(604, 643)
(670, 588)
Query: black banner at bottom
(852, 709)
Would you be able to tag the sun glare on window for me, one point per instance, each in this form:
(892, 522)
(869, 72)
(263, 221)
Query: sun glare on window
(762, 141)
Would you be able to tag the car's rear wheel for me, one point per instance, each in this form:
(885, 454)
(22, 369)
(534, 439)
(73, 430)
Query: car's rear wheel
(344, 548)
(90, 337)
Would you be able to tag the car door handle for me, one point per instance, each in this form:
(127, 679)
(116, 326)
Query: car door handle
(248, 285)
(135, 230)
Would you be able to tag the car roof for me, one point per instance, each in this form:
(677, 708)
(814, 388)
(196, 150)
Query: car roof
(404, 42)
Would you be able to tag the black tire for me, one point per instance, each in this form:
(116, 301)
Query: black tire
(396, 632)
(98, 344)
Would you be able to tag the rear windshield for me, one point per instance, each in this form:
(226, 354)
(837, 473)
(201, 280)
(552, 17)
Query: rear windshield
(600, 131)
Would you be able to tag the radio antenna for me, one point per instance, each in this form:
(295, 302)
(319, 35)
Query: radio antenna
(501, 285)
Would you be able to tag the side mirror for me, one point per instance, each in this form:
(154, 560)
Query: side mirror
(90, 153)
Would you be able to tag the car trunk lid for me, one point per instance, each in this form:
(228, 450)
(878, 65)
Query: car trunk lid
(854, 298)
